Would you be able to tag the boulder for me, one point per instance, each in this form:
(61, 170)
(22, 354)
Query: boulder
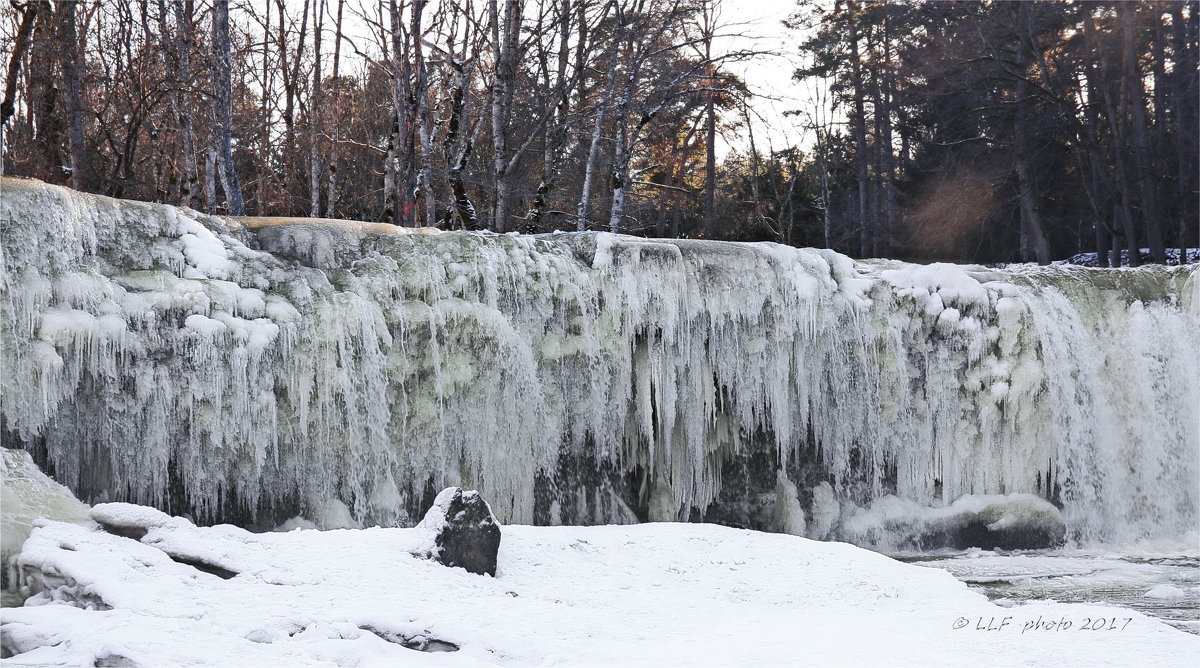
(1012, 522)
(466, 533)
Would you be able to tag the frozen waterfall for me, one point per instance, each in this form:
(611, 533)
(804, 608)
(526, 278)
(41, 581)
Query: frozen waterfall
(250, 370)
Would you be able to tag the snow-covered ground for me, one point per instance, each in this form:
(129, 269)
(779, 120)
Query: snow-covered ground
(652, 595)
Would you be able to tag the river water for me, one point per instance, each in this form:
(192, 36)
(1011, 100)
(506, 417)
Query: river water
(1165, 585)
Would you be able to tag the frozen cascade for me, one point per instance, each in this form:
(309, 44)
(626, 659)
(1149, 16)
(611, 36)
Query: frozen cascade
(251, 369)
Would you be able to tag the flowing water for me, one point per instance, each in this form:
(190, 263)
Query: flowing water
(1163, 585)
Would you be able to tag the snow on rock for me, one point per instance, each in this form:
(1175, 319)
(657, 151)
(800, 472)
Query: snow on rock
(28, 494)
(1019, 521)
(466, 534)
(255, 369)
(647, 595)
(132, 521)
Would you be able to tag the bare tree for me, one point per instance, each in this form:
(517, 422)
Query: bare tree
(29, 14)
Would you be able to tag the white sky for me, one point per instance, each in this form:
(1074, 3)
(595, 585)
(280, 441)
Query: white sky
(769, 76)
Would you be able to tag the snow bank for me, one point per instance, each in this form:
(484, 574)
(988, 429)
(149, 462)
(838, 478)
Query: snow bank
(267, 369)
(648, 595)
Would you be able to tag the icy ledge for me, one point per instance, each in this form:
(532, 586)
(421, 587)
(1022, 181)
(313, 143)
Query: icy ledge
(649, 595)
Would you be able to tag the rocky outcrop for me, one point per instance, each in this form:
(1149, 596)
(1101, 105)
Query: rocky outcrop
(467, 534)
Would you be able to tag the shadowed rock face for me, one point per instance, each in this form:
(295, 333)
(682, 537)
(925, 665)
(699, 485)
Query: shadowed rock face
(468, 535)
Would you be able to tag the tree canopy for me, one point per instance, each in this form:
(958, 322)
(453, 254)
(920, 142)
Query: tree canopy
(975, 131)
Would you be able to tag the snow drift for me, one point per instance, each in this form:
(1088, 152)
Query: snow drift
(251, 370)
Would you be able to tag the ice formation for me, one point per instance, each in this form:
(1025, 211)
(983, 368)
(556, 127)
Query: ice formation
(27, 494)
(258, 369)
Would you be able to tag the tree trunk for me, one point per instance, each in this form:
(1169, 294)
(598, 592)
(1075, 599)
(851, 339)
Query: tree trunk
(1161, 151)
(458, 145)
(590, 165)
(290, 69)
(422, 116)
(316, 106)
(1185, 91)
(70, 57)
(222, 92)
(505, 32)
(884, 240)
(860, 134)
(332, 187)
(396, 193)
(1117, 128)
(391, 205)
(264, 120)
(710, 163)
(210, 174)
(556, 133)
(1134, 97)
(1033, 233)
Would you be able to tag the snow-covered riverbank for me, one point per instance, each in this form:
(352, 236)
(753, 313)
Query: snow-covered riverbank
(647, 595)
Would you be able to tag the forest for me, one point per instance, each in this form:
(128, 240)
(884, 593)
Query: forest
(969, 131)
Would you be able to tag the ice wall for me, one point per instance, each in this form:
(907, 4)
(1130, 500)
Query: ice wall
(252, 368)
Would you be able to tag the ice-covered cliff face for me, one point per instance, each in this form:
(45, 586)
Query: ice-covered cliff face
(252, 369)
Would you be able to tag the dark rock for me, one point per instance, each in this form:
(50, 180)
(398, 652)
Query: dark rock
(977, 533)
(204, 567)
(114, 661)
(132, 532)
(420, 642)
(1018, 522)
(1004, 522)
(467, 534)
